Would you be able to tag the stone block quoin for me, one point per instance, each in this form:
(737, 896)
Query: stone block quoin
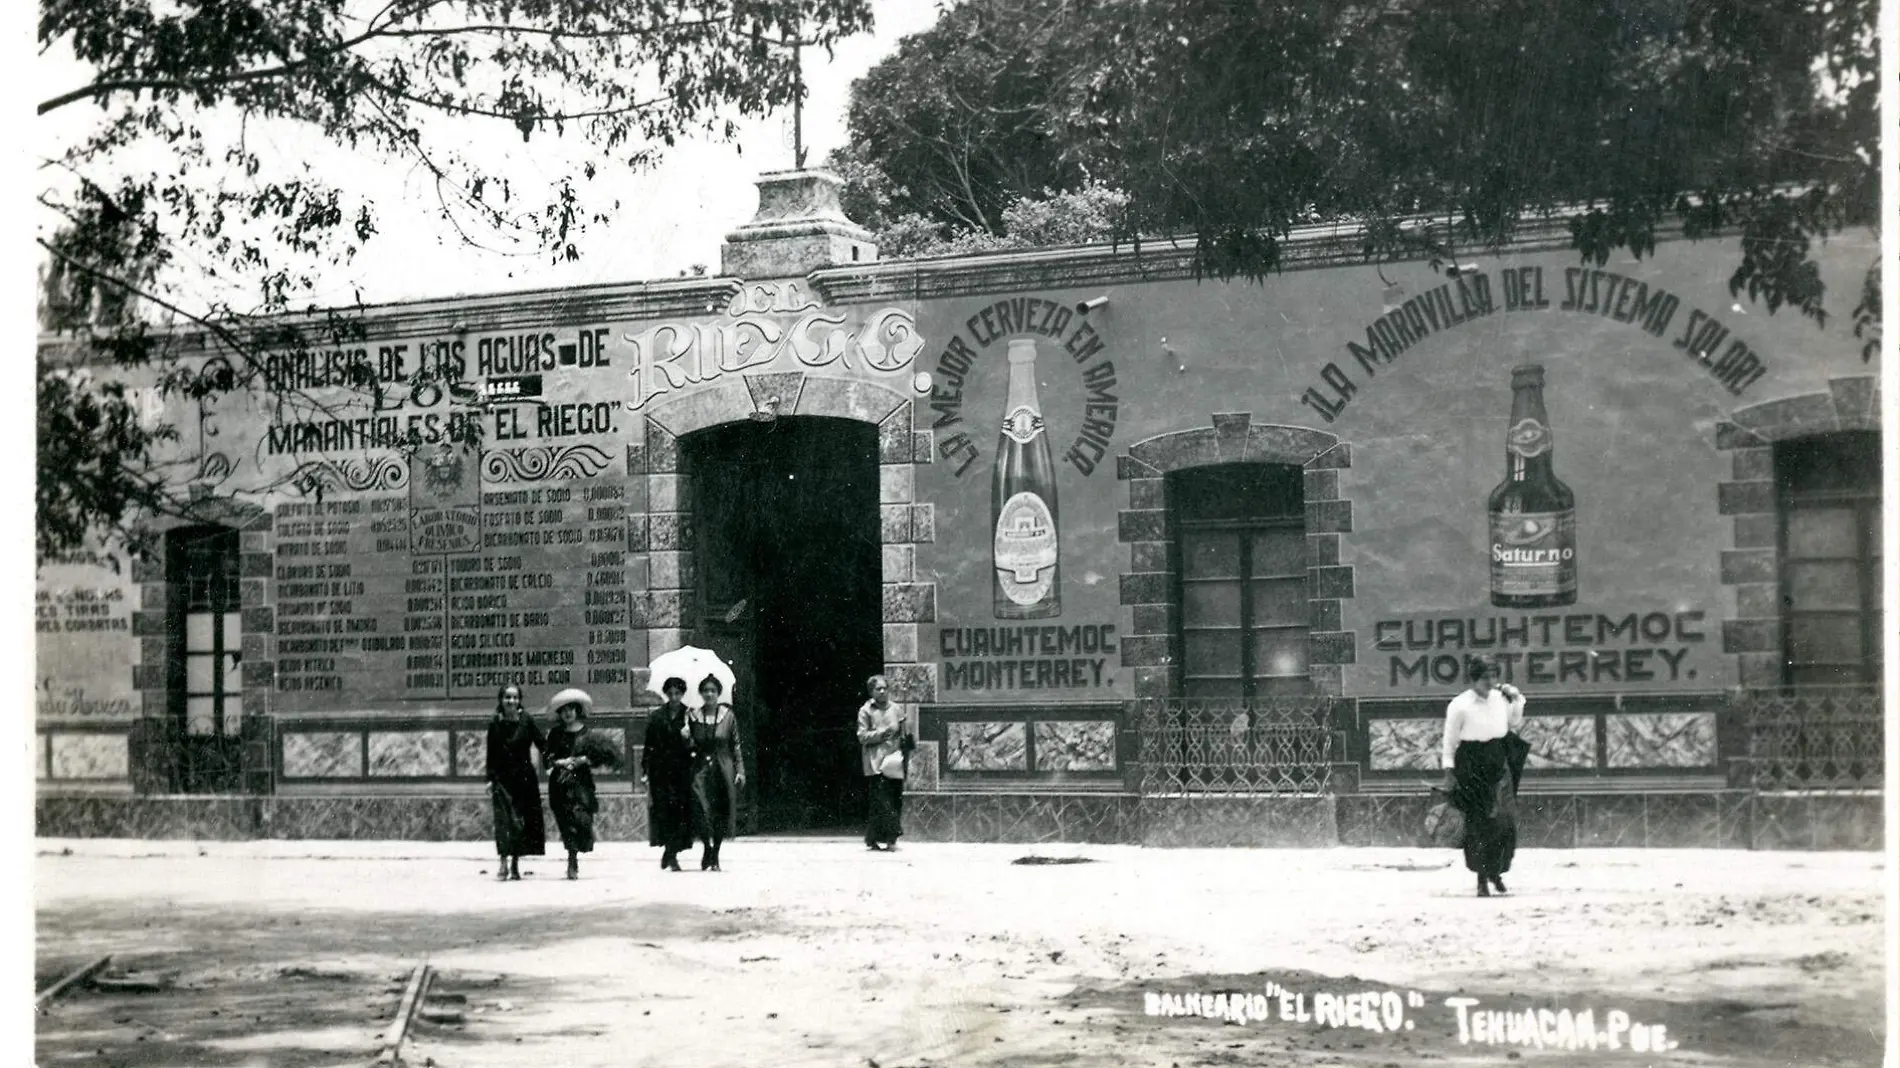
(1751, 563)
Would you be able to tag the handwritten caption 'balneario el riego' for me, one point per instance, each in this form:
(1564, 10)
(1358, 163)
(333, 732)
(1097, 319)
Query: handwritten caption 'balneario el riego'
(1385, 1011)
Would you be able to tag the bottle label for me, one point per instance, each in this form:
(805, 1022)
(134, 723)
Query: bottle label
(1534, 554)
(1528, 438)
(1025, 549)
(1023, 424)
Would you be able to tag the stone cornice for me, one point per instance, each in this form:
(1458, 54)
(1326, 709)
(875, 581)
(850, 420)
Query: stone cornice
(534, 309)
(1310, 248)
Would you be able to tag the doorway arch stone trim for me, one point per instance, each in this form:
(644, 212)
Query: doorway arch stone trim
(1146, 526)
(662, 571)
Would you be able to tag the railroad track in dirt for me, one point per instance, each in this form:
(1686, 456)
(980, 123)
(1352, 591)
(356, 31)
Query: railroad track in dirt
(180, 1009)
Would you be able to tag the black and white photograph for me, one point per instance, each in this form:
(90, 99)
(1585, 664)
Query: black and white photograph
(925, 533)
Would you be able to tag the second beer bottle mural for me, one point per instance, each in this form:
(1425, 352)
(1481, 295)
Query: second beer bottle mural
(1533, 515)
(1023, 500)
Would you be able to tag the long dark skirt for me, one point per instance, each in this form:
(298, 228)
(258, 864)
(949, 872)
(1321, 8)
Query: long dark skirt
(1484, 789)
(520, 830)
(670, 810)
(887, 810)
(571, 796)
(712, 802)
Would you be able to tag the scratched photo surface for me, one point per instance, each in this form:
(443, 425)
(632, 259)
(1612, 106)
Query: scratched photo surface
(1462, 654)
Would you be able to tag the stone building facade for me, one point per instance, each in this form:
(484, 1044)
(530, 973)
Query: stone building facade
(1265, 545)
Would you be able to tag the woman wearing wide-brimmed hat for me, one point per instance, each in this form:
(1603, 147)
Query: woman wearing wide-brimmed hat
(572, 752)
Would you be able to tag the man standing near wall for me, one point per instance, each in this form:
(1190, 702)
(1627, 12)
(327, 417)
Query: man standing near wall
(880, 733)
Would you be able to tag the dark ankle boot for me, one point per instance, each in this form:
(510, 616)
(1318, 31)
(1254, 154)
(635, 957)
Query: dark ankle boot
(501, 869)
(573, 866)
(514, 869)
(706, 857)
(1484, 888)
(1497, 883)
(715, 855)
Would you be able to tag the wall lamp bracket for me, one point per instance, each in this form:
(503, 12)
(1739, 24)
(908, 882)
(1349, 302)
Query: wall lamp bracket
(1087, 306)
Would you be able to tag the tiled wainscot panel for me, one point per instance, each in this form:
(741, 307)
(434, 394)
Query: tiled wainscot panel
(471, 753)
(1417, 744)
(1075, 745)
(986, 747)
(89, 756)
(1661, 740)
(323, 755)
(408, 754)
(1404, 744)
(1560, 741)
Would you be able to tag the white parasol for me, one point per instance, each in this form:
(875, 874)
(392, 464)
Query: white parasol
(691, 664)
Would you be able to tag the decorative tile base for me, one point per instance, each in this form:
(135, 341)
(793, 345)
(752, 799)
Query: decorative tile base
(1700, 820)
(1272, 822)
(1730, 819)
(462, 818)
(1101, 819)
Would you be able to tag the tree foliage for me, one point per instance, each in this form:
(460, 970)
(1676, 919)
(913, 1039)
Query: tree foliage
(1437, 124)
(159, 184)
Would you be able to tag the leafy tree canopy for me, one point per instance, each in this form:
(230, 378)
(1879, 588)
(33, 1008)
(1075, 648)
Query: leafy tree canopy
(1437, 124)
(163, 186)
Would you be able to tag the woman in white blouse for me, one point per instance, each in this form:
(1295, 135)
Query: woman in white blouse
(1482, 759)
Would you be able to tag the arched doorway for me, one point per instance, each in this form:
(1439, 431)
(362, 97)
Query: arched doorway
(785, 514)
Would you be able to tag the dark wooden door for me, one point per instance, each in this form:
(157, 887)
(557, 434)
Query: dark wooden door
(788, 556)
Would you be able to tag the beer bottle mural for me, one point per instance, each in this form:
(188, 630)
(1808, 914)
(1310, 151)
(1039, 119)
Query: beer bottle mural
(1023, 500)
(1533, 515)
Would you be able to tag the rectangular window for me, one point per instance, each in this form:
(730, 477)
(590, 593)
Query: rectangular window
(1242, 564)
(206, 687)
(1829, 494)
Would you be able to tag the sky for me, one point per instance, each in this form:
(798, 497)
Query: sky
(670, 217)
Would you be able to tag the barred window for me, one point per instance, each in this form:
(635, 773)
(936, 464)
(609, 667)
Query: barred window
(1243, 596)
(1829, 493)
(206, 690)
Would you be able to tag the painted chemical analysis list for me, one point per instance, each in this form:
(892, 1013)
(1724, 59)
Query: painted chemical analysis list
(541, 601)
(330, 617)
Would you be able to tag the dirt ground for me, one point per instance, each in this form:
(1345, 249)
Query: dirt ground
(820, 953)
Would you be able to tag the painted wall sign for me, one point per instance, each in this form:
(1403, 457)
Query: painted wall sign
(1615, 650)
(673, 356)
(509, 567)
(1532, 515)
(1026, 547)
(1013, 320)
(1703, 338)
(85, 650)
(431, 390)
(1027, 658)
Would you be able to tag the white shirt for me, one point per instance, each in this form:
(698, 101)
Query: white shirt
(1470, 718)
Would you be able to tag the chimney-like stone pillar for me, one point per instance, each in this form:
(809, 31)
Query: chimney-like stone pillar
(799, 228)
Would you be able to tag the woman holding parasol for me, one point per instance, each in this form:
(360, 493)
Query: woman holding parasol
(712, 732)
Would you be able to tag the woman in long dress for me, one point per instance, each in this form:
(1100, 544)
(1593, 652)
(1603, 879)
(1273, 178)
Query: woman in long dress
(513, 786)
(572, 753)
(1483, 758)
(666, 766)
(718, 771)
